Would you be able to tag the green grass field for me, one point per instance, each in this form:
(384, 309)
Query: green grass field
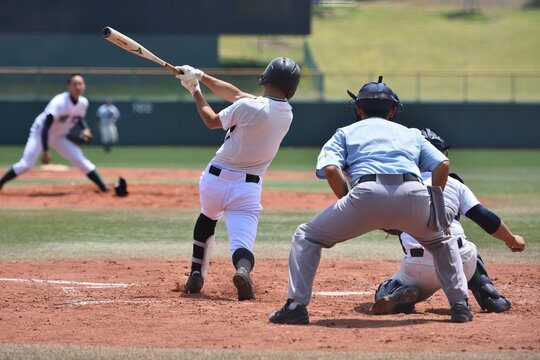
(507, 178)
(352, 45)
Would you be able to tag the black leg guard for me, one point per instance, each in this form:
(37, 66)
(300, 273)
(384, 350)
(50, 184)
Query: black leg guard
(243, 258)
(484, 291)
(204, 229)
(392, 297)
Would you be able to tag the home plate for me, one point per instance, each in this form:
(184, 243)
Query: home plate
(342, 293)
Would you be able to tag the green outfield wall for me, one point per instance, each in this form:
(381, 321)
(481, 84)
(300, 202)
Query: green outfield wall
(470, 125)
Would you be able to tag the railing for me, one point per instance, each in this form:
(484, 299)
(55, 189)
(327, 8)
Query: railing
(33, 83)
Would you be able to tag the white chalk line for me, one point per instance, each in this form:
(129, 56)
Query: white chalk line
(94, 285)
(342, 293)
(101, 302)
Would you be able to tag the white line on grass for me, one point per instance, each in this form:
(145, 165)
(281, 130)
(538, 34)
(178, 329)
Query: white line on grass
(342, 293)
(66, 282)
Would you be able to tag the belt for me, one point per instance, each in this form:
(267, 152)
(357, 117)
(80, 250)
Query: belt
(214, 170)
(373, 177)
(419, 252)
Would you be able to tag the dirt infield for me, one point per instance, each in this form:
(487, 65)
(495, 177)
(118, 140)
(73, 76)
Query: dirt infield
(136, 302)
(144, 194)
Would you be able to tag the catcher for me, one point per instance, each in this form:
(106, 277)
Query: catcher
(416, 279)
(61, 126)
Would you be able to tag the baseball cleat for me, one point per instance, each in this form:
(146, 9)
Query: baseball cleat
(243, 285)
(194, 283)
(402, 300)
(461, 312)
(292, 314)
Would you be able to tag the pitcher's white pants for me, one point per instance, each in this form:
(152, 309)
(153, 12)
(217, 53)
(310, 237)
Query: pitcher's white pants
(61, 144)
(229, 194)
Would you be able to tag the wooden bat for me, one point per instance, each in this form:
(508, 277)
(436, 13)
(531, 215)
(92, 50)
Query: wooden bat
(130, 45)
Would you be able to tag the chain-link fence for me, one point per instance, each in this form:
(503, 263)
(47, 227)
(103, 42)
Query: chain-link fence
(157, 85)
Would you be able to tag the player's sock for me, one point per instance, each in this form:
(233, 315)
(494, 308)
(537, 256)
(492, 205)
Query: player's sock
(243, 258)
(94, 176)
(9, 175)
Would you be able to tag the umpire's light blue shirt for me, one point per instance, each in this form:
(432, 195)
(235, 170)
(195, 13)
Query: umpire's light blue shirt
(378, 146)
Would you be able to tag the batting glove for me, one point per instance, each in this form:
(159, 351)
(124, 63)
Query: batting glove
(191, 84)
(190, 72)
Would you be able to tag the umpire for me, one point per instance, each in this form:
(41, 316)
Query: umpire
(381, 160)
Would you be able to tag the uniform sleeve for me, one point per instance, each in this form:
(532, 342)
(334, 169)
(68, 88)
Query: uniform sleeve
(430, 156)
(54, 106)
(467, 199)
(116, 112)
(231, 115)
(334, 152)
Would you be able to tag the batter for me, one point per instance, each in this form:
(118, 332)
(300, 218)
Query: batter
(231, 184)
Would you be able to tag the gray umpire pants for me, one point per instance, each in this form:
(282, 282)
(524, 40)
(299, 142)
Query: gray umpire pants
(388, 203)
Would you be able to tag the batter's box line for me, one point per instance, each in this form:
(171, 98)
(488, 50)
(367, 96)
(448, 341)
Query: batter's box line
(88, 284)
(342, 293)
(105, 302)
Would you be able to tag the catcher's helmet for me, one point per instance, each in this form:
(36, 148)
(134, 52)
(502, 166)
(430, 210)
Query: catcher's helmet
(283, 73)
(435, 139)
(376, 97)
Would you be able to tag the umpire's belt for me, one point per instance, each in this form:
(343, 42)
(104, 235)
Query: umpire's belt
(373, 177)
(214, 170)
(419, 252)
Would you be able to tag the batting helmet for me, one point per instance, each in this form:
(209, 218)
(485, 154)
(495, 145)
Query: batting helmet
(284, 73)
(435, 139)
(376, 97)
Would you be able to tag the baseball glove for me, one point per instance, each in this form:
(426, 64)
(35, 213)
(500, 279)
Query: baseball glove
(79, 134)
(120, 188)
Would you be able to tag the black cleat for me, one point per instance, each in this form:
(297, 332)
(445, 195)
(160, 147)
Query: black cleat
(194, 283)
(402, 300)
(286, 315)
(499, 305)
(243, 284)
(461, 312)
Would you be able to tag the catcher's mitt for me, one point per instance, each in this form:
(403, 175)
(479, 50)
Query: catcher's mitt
(79, 134)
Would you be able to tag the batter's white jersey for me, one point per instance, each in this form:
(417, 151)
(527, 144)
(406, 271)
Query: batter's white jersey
(458, 197)
(66, 114)
(256, 128)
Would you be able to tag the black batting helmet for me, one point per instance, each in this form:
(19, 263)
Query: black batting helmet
(376, 97)
(434, 138)
(284, 73)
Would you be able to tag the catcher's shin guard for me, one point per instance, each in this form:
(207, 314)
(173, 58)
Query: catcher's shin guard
(485, 292)
(392, 297)
(203, 244)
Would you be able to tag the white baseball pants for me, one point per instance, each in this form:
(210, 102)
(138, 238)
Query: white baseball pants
(420, 271)
(61, 144)
(229, 194)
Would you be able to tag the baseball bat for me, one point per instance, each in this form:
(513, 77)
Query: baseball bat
(130, 45)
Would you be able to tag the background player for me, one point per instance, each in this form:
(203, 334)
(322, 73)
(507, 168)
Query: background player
(231, 183)
(108, 115)
(416, 280)
(50, 128)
